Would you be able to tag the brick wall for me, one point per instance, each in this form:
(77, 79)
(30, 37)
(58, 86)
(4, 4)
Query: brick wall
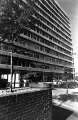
(27, 106)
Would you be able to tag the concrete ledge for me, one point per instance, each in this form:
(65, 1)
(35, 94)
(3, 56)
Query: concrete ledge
(16, 91)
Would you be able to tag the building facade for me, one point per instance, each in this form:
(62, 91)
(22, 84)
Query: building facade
(44, 48)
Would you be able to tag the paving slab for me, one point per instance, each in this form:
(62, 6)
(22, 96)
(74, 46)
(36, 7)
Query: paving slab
(70, 104)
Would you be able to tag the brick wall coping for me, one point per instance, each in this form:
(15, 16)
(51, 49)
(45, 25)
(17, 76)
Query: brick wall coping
(17, 91)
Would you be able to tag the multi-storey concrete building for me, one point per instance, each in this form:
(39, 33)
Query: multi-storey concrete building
(45, 47)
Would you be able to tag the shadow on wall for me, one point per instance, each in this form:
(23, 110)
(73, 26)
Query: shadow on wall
(60, 113)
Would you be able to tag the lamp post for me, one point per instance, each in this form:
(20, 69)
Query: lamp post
(11, 62)
(11, 69)
(43, 75)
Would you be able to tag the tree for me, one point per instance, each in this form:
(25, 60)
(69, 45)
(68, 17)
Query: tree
(14, 15)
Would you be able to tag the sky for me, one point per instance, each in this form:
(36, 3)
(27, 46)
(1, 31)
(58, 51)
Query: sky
(71, 8)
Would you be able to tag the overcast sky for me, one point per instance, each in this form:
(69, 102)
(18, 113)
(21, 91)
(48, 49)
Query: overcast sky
(71, 8)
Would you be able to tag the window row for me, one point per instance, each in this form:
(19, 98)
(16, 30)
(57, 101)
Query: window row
(44, 57)
(60, 10)
(53, 14)
(54, 9)
(42, 26)
(50, 26)
(50, 21)
(53, 45)
(28, 63)
(57, 12)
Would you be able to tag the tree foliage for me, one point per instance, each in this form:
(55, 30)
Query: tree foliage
(14, 14)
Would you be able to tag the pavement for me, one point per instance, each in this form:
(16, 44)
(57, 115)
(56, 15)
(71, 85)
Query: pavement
(65, 103)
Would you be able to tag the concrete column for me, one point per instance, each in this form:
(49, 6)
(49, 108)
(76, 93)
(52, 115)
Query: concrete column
(14, 79)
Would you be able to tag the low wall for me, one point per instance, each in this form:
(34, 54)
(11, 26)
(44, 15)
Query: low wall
(33, 105)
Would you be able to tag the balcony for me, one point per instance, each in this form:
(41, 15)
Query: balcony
(53, 14)
(53, 41)
(20, 68)
(34, 59)
(62, 12)
(52, 24)
(55, 32)
(49, 46)
(56, 14)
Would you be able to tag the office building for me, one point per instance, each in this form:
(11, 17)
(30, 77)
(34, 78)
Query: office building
(44, 48)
